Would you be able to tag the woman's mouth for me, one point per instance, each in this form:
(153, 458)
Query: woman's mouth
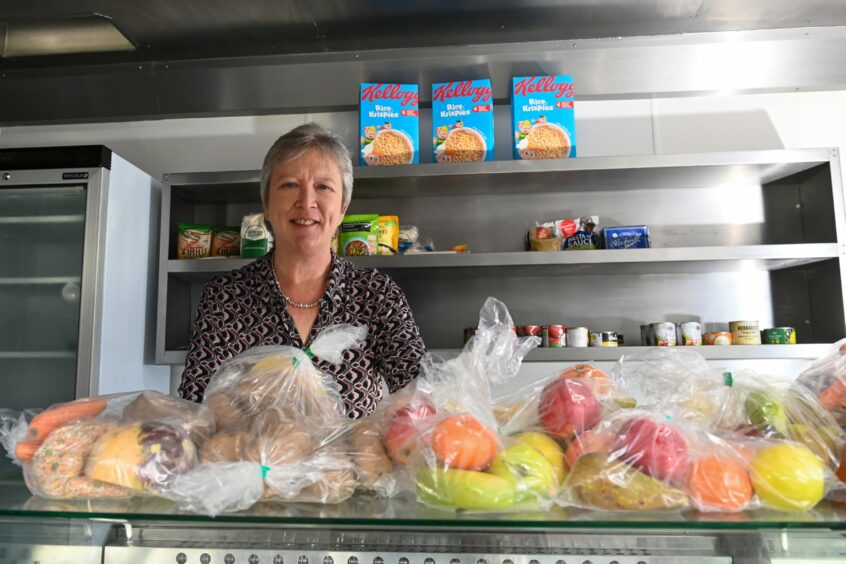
(305, 222)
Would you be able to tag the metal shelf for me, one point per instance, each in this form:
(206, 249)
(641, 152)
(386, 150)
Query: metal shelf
(683, 171)
(45, 280)
(37, 354)
(730, 352)
(35, 219)
(629, 261)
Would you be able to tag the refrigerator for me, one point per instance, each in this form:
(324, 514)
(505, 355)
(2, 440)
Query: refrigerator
(78, 235)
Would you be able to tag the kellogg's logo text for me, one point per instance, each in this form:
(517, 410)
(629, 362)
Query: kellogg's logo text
(462, 89)
(390, 92)
(534, 84)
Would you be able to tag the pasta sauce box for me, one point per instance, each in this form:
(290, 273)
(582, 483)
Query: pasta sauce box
(543, 117)
(389, 124)
(462, 121)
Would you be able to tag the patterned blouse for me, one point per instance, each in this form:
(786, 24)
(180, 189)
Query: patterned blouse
(243, 309)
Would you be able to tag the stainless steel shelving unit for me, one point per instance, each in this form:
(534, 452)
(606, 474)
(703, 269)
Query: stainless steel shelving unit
(781, 261)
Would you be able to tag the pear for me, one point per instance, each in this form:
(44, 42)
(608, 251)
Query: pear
(600, 481)
(466, 489)
(764, 410)
(528, 469)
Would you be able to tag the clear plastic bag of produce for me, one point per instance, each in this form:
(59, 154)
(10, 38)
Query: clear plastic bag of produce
(826, 380)
(282, 434)
(448, 430)
(111, 446)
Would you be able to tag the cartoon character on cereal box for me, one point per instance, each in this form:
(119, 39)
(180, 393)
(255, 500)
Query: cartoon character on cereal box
(440, 136)
(523, 129)
(369, 135)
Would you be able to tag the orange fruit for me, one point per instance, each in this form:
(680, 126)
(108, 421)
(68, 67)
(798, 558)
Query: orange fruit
(462, 441)
(719, 484)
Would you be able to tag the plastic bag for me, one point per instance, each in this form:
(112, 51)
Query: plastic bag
(459, 460)
(826, 380)
(282, 432)
(108, 446)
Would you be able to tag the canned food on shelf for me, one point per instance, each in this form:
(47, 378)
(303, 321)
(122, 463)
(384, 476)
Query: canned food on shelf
(718, 338)
(664, 333)
(554, 336)
(647, 338)
(529, 331)
(745, 332)
(603, 339)
(779, 336)
(691, 333)
(578, 336)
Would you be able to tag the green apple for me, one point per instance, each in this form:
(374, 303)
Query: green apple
(466, 489)
(764, 410)
(528, 469)
(549, 447)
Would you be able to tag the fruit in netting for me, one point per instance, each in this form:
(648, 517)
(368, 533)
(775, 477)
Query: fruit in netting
(592, 440)
(596, 379)
(718, 484)
(567, 407)
(600, 481)
(657, 449)
(462, 441)
(466, 489)
(788, 477)
(549, 447)
(528, 469)
(405, 428)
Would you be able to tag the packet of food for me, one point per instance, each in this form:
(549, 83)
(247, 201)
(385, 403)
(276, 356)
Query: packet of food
(359, 233)
(226, 241)
(388, 238)
(408, 236)
(542, 237)
(256, 238)
(194, 241)
(580, 234)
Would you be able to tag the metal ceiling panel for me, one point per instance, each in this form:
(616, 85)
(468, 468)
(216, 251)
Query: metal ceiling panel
(693, 64)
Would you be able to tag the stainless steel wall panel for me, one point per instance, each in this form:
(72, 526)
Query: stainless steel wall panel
(612, 68)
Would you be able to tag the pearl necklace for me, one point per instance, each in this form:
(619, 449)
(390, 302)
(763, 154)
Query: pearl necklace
(289, 301)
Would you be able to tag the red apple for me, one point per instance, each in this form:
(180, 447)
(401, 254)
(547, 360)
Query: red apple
(567, 407)
(401, 437)
(653, 448)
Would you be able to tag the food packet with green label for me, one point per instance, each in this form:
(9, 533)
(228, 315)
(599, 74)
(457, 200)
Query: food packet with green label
(359, 233)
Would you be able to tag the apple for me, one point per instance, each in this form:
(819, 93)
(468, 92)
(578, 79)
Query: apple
(528, 469)
(653, 448)
(405, 427)
(567, 407)
(549, 447)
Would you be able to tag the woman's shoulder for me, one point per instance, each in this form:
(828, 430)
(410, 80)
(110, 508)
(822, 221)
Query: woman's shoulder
(363, 277)
(248, 278)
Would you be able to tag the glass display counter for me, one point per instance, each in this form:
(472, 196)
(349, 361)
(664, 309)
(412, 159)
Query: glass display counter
(370, 530)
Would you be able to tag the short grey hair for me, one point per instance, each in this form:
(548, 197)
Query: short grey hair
(303, 138)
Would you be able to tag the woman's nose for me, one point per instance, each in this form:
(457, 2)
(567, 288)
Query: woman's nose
(307, 196)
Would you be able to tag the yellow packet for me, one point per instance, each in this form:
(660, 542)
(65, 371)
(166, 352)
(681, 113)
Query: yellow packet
(388, 238)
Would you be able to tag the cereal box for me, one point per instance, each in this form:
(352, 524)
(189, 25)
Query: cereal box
(462, 121)
(389, 127)
(543, 117)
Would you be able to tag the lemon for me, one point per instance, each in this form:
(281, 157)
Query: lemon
(788, 477)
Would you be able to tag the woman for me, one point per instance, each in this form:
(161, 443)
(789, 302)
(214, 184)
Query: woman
(301, 287)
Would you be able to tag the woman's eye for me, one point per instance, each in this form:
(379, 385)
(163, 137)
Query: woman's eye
(288, 185)
(325, 187)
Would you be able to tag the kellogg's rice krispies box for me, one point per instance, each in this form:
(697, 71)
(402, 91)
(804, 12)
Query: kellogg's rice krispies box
(389, 124)
(462, 121)
(543, 117)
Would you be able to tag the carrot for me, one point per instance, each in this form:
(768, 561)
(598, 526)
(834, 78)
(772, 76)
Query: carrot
(834, 396)
(47, 421)
(25, 450)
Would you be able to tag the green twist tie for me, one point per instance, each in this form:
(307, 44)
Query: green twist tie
(727, 379)
(308, 352)
(264, 471)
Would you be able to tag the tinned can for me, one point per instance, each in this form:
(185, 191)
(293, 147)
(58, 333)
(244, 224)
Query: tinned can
(717, 338)
(554, 336)
(779, 336)
(665, 334)
(691, 333)
(647, 339)
(679, 337)
(577, 336)
(529, 331)
(745, 332)
(603, 339)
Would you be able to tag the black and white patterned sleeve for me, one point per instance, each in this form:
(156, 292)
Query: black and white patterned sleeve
(398, 344)
(206, 350)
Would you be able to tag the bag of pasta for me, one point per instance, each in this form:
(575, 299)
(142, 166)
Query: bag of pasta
(111, 446)
(459, 459)
(282, 433)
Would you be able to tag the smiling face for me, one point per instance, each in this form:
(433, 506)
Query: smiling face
(305, 203)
